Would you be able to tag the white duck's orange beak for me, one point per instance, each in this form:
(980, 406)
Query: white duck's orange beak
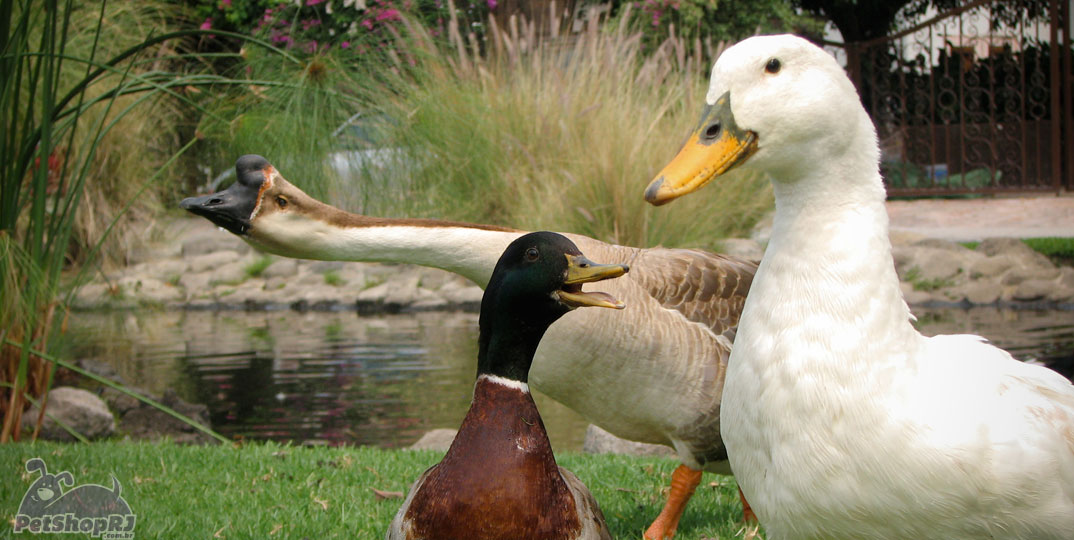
(716, 146)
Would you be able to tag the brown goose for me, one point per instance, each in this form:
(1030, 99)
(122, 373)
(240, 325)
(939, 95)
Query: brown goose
(651, 374)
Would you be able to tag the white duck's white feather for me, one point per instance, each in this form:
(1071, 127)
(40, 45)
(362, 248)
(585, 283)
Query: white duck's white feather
(840, 419)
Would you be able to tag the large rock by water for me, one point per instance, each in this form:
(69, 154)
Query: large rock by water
(599, 441)
(78, 409)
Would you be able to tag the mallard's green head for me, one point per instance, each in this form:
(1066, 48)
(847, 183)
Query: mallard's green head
(537, 280)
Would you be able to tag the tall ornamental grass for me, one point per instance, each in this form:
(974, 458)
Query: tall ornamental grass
(549, 130)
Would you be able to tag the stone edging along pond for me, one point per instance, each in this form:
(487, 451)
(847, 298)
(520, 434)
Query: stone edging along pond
(205, 268)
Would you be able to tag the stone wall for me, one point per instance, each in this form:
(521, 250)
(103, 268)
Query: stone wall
(206, 268)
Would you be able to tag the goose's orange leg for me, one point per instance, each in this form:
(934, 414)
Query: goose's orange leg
(747, 513)
(683, 483)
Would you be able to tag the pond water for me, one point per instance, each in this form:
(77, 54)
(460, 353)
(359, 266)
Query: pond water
(337, 377)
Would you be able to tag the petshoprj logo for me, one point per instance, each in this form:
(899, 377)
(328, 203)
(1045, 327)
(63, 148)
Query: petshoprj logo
(89, 509)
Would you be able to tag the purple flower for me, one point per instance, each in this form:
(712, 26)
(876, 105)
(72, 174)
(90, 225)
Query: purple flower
(492, 4)
(345, 44)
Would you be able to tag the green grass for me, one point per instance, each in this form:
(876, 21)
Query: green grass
(258, 266)
(1059, 250)
(275, 491)
(333, 278)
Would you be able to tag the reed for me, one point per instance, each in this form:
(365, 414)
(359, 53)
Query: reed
(68, 86)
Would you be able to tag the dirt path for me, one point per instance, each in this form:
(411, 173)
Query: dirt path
(975, 219)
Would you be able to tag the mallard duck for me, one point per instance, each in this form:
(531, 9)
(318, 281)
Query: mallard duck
(499, 479)
(840, 419)
(652, 374)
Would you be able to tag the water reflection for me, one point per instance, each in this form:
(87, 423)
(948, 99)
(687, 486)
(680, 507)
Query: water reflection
(322, 377)
(385, 380)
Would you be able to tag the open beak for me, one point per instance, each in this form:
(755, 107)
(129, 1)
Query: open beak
(582, 270)
(715, 147)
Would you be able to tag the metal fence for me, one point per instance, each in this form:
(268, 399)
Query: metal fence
(974, 100)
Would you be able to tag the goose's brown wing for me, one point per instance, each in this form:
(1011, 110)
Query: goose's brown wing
(706, 288)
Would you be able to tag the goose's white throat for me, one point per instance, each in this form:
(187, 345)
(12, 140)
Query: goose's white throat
(422, 245)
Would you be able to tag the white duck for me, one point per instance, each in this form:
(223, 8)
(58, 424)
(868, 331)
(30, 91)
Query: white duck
(840, 419)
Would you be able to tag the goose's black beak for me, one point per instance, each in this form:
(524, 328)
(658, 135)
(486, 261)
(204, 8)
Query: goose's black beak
(582, 270)
(715, 147)
(233, 207)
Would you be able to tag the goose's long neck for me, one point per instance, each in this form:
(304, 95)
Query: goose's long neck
(465, 249)
(828, 273)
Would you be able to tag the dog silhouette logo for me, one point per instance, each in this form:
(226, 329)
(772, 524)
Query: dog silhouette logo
(88, 509)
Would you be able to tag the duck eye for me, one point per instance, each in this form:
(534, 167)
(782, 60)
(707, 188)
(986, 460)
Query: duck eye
(712, 131)
(532, 254)
(773, 66)
(281, 202)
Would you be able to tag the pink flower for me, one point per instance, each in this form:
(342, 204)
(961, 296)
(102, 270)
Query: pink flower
(368, 24)
(313, 2)
(492, 4)
(207, 25)
(225, 4)
(388, 15)
(345, 44)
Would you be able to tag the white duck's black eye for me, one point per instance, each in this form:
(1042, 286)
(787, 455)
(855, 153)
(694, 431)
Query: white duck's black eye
(773, 65)
(532, 254)
(281, 202)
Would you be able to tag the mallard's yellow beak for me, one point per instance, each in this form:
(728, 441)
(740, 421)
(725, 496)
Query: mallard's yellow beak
(582, 270)
(715, 147)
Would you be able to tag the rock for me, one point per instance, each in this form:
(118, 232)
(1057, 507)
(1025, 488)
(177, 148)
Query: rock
(212, 241)
(1063, 290)
(904, 258)
(281, 268)
(1033, 290)
(935, 264)
(209, 261)
(92, 295)
(145, 422)
(460, 293)
(402, 292)
(309, 279)
(939, 243)
(744, 248)
(914, 297)
(436, 439)
(147, 289)
(80, 410)
(194, 284)
(1020, 273)
(167, 269)
(434, 278)
(599, 441)
(321, 267)
(981, 292)
(231, 273)
(1016, 249)
(989, 266)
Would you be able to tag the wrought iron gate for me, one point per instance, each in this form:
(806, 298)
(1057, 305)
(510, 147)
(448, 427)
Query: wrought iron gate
(974, 100)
